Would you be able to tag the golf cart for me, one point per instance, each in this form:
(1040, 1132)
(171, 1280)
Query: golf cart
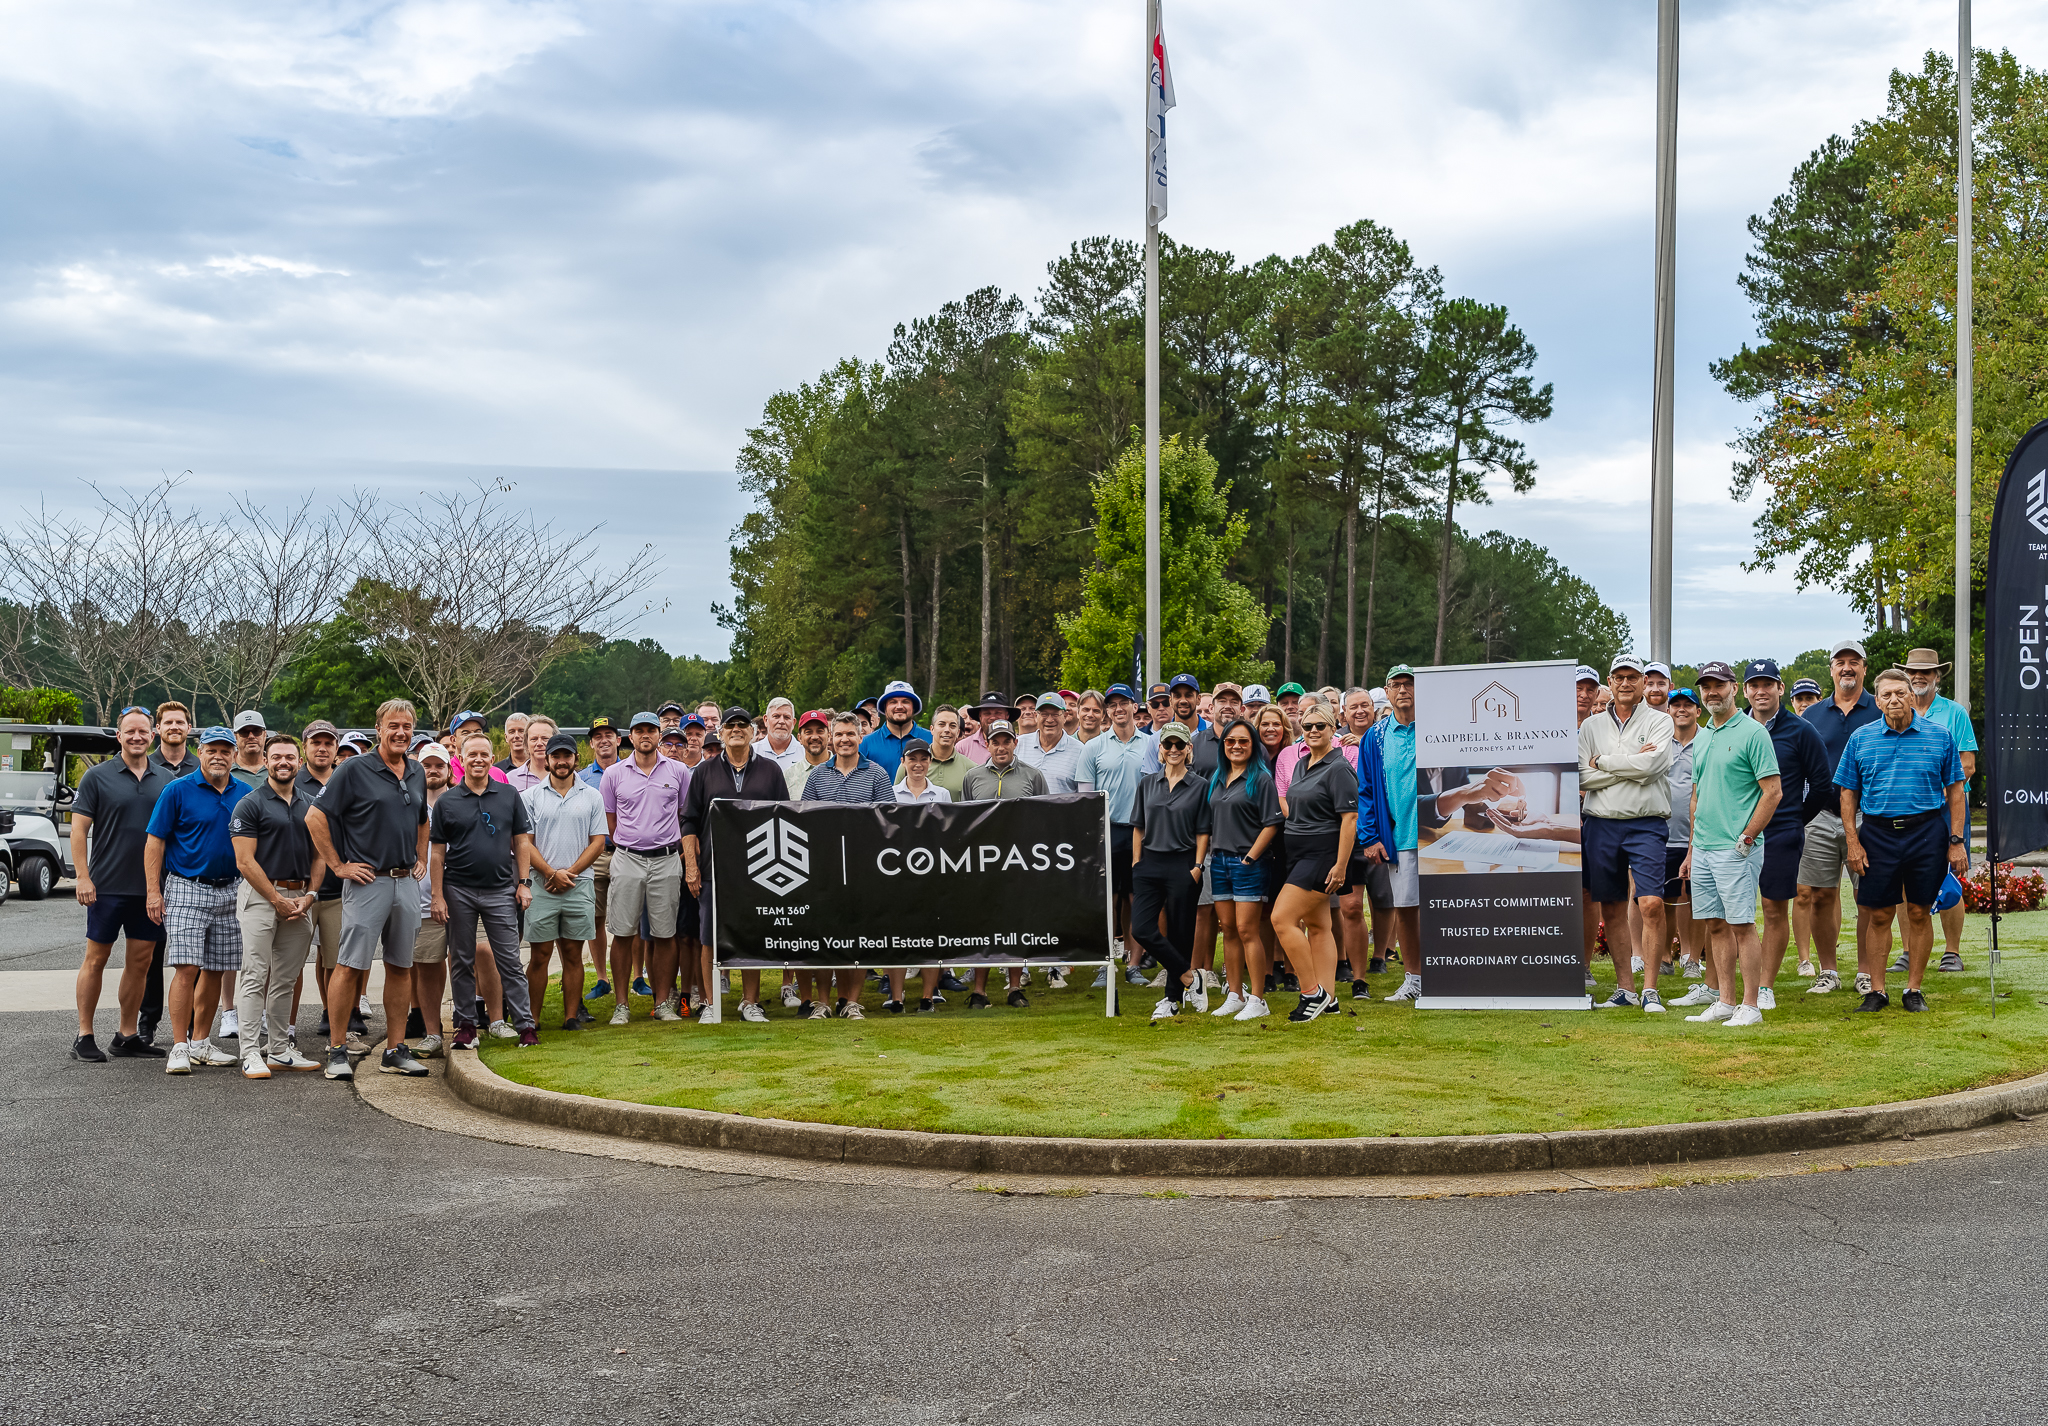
(39, 801)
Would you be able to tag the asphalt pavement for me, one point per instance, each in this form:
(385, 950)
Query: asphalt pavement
(280, 1252)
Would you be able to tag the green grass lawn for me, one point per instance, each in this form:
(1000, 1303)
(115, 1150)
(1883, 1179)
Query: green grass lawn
(1062, 1068)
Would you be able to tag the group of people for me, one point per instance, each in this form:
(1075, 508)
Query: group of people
(1283, 825)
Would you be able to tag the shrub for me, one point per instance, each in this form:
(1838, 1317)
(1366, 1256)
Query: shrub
(2017, 890)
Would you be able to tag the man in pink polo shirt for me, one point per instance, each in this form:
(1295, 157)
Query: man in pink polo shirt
(643, 805)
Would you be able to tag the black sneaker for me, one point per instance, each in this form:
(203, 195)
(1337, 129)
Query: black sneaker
(977, 1001)
(1344, 971)
(950, 981)
(415, 1024)
(924, 1007)
(1019, 1001)
(127, 1047)
(1913, 1001)
(1269, 982)
(1291, 983)
(572, 1022)
(894, 1007)
(324, 1032)
(1311, 1006)
(483, 1016)
(1376, 966)
(145, 1030)
(1360, 990)
(400, 1061)
(86, 1048)
(1874, 1000)
(357, 1025)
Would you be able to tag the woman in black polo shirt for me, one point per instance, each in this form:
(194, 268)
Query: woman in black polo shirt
(1322, 821)
(1169, 839)
(1244, 809)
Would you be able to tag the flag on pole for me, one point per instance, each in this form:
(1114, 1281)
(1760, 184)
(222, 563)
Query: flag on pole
(1161, 101)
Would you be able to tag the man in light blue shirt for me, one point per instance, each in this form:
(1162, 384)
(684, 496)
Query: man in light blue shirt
(1056, 760)
(1924, 669)
(1112, 764)
(1392, 741)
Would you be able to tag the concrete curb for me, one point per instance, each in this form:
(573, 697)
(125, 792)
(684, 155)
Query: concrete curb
(477, 1085)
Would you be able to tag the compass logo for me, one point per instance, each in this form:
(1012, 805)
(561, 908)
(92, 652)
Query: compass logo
(778, 856)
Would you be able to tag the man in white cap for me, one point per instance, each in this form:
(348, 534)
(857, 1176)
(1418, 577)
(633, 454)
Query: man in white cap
(1624, 767)
(1657, 685)
(1924, 669)
(1826, 853)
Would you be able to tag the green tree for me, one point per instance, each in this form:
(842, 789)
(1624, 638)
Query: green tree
(339, 676)
(1210, 625)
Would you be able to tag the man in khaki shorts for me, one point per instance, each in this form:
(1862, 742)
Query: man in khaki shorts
(430, 946)
(604, 751)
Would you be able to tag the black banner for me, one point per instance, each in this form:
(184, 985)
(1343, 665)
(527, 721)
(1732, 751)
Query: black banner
(2016, 653)
(1503, 936)
(926, 884)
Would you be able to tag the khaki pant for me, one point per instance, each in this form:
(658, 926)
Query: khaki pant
(273, 954)
(327, 930)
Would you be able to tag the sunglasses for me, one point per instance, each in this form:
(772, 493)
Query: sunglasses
(1160, 702)
(1313, 726)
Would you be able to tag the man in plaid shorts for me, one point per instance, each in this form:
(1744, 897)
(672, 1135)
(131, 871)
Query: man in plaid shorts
(188, 866)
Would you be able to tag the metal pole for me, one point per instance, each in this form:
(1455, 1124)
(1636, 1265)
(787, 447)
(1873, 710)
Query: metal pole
(1151, 381)
(1666, 302)
(1965, 376)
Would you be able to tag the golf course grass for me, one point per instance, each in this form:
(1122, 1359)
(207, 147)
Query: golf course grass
(1062, 1068)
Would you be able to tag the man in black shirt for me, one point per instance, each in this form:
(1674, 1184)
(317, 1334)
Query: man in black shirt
(279, 872)
(481, 833)
(736, 773)
(320, 747)
(175, 756)
(109, 820)
(370, 825)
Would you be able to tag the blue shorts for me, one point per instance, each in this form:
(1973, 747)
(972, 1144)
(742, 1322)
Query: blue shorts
(1676, 888)
(1611, 848)
(1906, 866)
(1783, 847)
(1232, 878)
(111, 917)
(1724, 881)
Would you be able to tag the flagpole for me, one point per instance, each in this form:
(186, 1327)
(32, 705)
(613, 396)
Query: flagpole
(1964, 365)
(1151, 375)
(1661, 379)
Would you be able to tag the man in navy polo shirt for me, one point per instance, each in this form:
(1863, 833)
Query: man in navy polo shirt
(900, 706)
(1827, 848)
(188, 865)
(1806, 780)
(109, 822)
(1897, 778)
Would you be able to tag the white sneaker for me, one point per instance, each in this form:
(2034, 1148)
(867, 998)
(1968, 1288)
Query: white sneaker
(1254, 1008)
(619, 1016)
(253, 1066)
(291, 1059)
(499, 1030)
(1719, 1010)
(1166, 1010)
(712, 1015)
(752, 1013)
(664, 1011)
(1745, 1015)
(363, 1006)
(180, 1060)
(1158, 982)
(1863, 982)
(1232, 1003)
(1636, 964)
(1824, 983)
(1694, 970)
(1767, 999)
(696, 1001)
(1056, 979)
(1699, 995)
(852, 1011)
(230, 1025)
(1411, 987)
(790, 999)
(1653, 1003)
(1196, 996)
(205, 1052)
(1806, 968)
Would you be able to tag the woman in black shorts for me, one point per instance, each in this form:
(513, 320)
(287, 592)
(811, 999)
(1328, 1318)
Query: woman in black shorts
(1321, 827)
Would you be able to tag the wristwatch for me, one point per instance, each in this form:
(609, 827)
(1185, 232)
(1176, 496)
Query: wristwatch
(526, 881)
(1954, 840)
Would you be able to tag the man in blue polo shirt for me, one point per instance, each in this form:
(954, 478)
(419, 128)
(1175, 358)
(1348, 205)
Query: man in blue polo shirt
(188, 866)
(1924, 669)
(1112, 765)
(1825, 856)
(1897, 778)
(1806, 783)
(900, 706)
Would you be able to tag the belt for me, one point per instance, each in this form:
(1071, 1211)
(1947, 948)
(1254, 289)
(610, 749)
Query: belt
(668, 851)
(395, 872)
(1902, 824)
(216, 882)
(288, 885)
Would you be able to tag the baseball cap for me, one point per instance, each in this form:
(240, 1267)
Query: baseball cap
(690, 720)
(816, 715)
(1718, 671)
(1258, 693)
(467, 715)
(1220, 689)
(318, 726)
(1761, 668)
(646, 718)
(418, 738)
(1687, 694)
(1157, 690)
(1629, 661)
(917, 748)
(249, 718)
(1052, 700)
(1848, 646)
(1069, 693)
(1587, 675)
(1806, 685)
(1001, 728)
(900, 689)
(561, 743)
(602, 725)
(1176, 730)
(216, 734)
(434, 752)
(870, 702)
(1655, 667)
(1185, 680)
(671, 707)
(675, 732)
(1400, 670)
(1294, 688)
(1120, 690)
(1379, 696)
(359, 740)
(734, 714)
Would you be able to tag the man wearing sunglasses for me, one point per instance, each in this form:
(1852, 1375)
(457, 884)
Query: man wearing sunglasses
(481, 836)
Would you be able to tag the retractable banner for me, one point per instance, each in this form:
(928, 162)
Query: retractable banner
(2016, 653)
(925, 884)
(1497, 812)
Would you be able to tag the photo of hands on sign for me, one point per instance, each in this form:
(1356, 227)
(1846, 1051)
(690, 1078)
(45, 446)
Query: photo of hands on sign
(1500, 819)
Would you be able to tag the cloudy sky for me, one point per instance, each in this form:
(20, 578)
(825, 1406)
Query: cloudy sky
(575, 244)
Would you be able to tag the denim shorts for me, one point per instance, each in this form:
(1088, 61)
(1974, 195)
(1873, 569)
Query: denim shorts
(1235, 879)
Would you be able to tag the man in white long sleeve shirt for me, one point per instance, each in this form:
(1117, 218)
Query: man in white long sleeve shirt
(1624, 772)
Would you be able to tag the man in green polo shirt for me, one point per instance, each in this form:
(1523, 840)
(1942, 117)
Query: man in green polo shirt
(949, 768)
(1735, 789)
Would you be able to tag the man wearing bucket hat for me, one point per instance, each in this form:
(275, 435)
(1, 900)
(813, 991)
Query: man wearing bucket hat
(1924, 670)
(898, 709)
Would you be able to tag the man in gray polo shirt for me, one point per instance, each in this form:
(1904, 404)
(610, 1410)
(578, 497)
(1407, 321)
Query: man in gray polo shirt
(1054, 751)
(568, 838)
(370, 825)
